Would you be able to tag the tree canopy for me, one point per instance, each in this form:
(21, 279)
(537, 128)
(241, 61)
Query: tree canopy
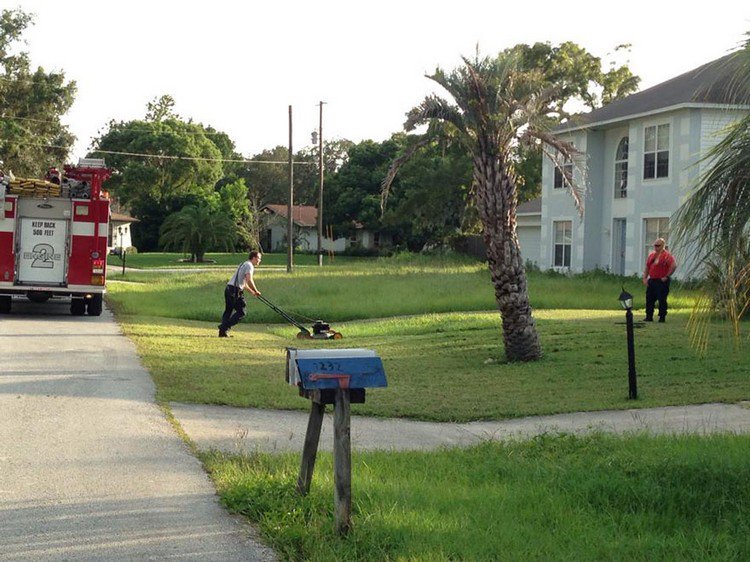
(32, 101)
(495, 104)
(183, 166)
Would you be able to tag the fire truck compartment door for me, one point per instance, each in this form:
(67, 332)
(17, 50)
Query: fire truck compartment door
(41, 256)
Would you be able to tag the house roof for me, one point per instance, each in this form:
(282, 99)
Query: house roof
(710, 84)
(120, 217)
(533, 207)
(302, 215)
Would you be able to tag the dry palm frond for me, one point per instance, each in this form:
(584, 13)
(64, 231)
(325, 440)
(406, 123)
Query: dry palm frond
(385, 186)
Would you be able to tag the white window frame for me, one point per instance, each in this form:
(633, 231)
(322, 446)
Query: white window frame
(621, 169)
(649, 236)
(657, 149)
(569, 245)
(562, 178)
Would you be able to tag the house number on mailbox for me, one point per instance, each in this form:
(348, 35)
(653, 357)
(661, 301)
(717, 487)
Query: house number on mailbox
(329, 366)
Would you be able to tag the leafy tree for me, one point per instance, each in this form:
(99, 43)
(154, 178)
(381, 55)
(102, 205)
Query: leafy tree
(269, 182)
(352, 195)
(497, 104)
(432, 202)
(184, 167)
(575, 75)
(234, 203)
(197, 229)
(32, 139)
(714, 222)
(307, 178)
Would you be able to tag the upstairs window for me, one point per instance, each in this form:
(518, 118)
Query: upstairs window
(656, 152)
(564, 177)
(621, 169)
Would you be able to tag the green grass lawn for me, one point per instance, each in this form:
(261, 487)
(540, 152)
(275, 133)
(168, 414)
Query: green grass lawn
(443, 361)
(450, 367)
(376, 288)
(559, 498)
(551, 498)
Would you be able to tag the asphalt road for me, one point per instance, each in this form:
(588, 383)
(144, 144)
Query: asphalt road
(90, 469)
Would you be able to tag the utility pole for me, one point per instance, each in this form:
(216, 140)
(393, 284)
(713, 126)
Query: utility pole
(290, 208)
(320, 188)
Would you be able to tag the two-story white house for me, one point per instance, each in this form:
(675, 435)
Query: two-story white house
(639, 158)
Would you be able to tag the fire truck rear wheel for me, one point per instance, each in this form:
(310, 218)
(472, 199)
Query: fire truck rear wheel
(5, 304)
(77, 307)
(94, 305)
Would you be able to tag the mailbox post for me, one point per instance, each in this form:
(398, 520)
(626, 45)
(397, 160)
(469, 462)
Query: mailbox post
(338, 377)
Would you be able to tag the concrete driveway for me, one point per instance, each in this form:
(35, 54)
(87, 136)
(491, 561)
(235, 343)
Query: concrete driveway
(90, 469)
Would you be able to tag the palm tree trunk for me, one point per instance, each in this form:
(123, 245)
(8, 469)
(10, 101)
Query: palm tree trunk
(496, 203)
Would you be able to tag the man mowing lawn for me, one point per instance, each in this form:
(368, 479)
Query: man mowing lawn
(234, 311)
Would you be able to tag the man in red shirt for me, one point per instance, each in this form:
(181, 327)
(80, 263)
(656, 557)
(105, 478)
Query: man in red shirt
(660, 266)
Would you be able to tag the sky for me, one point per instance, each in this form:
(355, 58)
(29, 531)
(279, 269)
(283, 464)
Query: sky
(238, 65)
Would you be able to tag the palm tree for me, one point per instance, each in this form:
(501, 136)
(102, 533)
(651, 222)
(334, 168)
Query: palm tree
(497, 103)
(714, 222)
(196, 229)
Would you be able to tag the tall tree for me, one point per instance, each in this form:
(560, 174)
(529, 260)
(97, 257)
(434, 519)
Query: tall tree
(498, 103)
(32, 101)
(578, 78)
(182, 166)
(432, 202)
(714, 222)
(352, 195)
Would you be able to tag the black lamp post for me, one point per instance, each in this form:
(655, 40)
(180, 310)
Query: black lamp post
(626, 300)
(122, 250)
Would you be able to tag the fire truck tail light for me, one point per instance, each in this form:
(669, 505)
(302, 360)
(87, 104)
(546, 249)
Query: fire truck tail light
(97, 279)
(97, 266)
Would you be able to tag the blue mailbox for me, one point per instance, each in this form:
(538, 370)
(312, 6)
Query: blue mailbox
(330, 369)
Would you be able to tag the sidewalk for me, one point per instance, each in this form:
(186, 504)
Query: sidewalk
(236, 430)
(90, 469)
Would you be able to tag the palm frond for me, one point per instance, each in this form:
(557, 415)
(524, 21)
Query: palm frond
(562, 152)
(716, 215)
(385, 185)
(434, 107)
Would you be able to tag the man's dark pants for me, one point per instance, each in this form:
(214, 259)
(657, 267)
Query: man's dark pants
(234, 311)
(657, 290)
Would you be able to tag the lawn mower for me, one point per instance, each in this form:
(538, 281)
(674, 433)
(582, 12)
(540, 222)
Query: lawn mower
(320, 330)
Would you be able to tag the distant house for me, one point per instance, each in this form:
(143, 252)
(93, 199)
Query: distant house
(119, 232)
(641, 155)
(305, 219)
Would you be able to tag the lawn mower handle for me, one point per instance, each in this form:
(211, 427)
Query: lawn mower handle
(283, 314)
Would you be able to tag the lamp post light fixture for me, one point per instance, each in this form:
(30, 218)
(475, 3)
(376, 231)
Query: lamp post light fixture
(626, 300)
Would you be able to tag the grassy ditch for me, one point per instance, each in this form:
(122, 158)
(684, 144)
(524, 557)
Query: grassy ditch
(550, 498)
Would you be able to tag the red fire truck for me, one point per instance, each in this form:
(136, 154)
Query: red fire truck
(53, 237)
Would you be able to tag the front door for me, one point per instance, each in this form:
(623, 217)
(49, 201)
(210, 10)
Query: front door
(619, 228)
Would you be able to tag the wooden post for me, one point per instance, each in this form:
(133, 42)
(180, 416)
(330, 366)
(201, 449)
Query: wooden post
(290, 206)
(342, 461)
(310, 449)
(320, 190)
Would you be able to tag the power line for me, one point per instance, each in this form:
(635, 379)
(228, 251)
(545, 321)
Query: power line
(171, 157)
(243, 161)
(130, 128)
